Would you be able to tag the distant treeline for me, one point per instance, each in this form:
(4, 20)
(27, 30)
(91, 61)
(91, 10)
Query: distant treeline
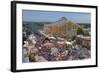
(34, 26)
(85, 25)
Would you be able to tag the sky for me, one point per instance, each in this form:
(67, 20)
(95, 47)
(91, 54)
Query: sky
(52, 16)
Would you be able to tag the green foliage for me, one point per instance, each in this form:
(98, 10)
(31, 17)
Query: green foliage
(80, 31)
(85, 25)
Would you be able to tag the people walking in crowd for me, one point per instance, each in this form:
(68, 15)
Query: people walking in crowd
(39, 48)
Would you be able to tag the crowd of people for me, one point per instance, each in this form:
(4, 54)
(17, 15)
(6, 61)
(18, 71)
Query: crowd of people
(39, 48)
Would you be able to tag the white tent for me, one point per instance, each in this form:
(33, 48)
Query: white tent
(68, 43)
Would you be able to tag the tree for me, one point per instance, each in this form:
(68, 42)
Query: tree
(80, 31)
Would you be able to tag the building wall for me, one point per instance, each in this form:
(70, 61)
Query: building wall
(60, 28)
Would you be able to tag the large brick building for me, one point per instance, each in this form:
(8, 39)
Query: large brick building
(62, 26)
